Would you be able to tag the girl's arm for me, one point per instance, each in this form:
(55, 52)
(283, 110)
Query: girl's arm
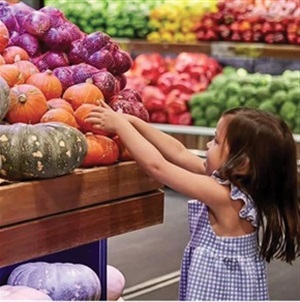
(155, 164)
(173, 150)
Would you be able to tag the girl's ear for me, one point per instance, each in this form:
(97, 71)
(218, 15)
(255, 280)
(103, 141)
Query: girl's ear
(243, 167)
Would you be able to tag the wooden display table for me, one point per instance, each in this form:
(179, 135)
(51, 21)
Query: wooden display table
(38, 218)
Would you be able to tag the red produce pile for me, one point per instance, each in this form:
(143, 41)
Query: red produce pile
(166, 84)
(268, 21)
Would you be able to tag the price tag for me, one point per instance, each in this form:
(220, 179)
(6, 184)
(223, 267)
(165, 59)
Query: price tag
(221, 49)
(234, 49)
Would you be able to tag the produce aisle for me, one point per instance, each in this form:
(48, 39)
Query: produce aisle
(180, 48)
(175, 64)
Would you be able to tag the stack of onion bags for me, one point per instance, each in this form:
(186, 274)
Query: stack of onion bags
(54, 43)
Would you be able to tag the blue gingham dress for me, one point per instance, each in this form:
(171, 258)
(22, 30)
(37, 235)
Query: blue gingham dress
(222, 268)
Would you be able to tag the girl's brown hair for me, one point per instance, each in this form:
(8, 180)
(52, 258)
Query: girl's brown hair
(266, 144)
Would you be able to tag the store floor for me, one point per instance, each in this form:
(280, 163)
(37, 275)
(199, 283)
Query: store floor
(150, 258)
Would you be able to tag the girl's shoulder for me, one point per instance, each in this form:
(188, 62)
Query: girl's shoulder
(248, 211)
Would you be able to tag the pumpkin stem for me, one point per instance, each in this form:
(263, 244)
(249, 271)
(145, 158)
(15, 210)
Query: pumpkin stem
(17, 58)
(89, 81)
(48, 72)
(22, 98)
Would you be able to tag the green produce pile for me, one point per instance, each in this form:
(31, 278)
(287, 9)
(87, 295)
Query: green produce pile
(236, 87)
(120, 19)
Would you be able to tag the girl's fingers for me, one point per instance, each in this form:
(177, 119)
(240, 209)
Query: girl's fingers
(98, 109)
(92, 120)
(94, 114)
(96, 126)
(105, 105)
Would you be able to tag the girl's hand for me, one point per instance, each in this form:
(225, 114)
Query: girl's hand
(104, 118)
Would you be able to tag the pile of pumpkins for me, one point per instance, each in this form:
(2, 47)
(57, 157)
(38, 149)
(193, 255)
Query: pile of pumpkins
(43, 133)
(60, 282)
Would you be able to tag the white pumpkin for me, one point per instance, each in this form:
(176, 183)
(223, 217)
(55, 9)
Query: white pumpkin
(115, 283)
(61, 281)
(18, 292)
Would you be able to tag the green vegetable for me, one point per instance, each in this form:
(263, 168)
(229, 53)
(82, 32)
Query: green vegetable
(241, 72)
(218, 82)
(235, 88)
(232, 88)
(292, 75)
(252, 103)
(197, 113)
(277, 84)
(126, 19)
(202, 99)
(288, 111)
(279, 97)
(212, 112)
(293, 95)
(200, 122)
(233, 102)
(248, 91)
(221, 97)
(229, 70)
(268, 105)
(259, 80)
(297, 120)
(213, 124)
(262, 93)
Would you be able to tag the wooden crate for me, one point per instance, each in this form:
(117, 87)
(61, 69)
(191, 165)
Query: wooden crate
(41, 217)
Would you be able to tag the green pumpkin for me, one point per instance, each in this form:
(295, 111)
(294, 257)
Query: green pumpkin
(4, 98)
(38, 151)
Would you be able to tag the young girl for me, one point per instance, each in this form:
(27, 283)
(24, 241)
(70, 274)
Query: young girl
(247, 183)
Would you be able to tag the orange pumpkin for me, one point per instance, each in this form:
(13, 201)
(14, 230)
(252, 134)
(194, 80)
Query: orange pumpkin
(124, 154)
(27, 104)
(82, 93)
(60, 103)
(12, 54)
(4, 36)
(47, 82)
(102, 151)
(2, 61)
(59, 115)
(81, 114)
(27, 68)
(11, 74)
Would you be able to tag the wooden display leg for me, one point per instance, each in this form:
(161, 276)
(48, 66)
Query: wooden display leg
(103, 268)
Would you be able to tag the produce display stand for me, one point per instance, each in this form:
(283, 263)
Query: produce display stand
(69, 218)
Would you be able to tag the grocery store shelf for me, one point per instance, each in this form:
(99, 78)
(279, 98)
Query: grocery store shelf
(224, 49)
(255, 50)
(194, 130)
